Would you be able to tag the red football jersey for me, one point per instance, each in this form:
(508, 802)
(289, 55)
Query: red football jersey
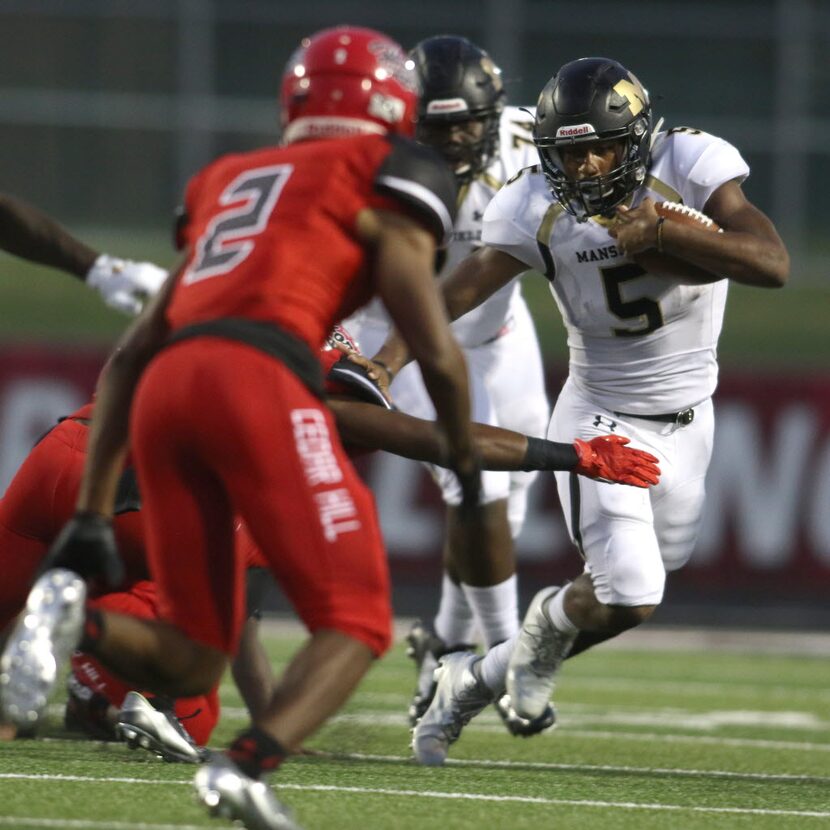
(272, 233)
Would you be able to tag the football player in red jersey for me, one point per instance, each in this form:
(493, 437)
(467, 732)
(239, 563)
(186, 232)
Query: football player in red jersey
(220, 385)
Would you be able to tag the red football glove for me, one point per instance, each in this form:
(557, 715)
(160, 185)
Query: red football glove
(606, 458)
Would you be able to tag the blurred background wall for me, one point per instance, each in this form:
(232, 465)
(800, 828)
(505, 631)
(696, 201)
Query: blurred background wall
(108, 106)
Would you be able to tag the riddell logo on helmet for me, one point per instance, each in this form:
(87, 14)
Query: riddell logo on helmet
(575, 131)
(447, 105)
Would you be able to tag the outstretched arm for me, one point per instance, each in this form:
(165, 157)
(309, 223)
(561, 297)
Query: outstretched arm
(29, 233)
(370, 427)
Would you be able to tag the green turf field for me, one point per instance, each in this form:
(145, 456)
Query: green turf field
(650, 736)
(764, 330)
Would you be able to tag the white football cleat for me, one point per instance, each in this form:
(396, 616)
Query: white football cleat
(46, 633)
(228, 793)
(536, 658)
(141, 724)
(459, 696)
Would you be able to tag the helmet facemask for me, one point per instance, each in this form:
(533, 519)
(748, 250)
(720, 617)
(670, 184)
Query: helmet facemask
(467, 151)
(597, 195)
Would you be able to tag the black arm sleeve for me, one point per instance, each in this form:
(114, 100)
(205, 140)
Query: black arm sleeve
(548, 455)
(422, 181)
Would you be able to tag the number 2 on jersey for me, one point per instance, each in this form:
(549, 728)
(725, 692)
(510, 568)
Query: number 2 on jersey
(642, 308)
(226, 241)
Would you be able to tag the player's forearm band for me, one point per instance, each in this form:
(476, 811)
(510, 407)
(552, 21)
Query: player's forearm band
(660, 222)
(548, 455)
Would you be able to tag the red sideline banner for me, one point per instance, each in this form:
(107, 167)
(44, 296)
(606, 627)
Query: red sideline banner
(766, 525)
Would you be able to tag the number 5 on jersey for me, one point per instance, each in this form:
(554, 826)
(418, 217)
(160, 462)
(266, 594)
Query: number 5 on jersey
(227, 239)
(643, 309)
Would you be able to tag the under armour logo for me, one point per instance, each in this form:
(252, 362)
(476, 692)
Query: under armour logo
(602, 421)
(477, 216)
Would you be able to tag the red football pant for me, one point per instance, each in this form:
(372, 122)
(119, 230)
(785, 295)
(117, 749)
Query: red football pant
(219, 428)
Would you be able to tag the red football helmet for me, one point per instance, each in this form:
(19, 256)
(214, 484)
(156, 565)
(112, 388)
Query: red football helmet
(339, 335)
(347, 81)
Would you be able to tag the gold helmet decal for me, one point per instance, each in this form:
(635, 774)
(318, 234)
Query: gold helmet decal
(493, 71)
(633, 93)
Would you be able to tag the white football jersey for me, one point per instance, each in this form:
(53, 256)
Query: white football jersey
(516, 151)
(639, 342)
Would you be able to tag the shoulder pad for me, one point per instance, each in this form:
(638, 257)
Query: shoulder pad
(534, 168)
(419, 178)
(519, 122)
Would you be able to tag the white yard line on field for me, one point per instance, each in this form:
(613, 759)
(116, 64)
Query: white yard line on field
(579, 715)
(560, 802)
(515, 799)
(471, 763)
(547, 765)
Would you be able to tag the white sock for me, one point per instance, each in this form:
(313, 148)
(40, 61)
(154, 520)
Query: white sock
(555, 609)
(492, 668)
(496, 609)
(454, 623)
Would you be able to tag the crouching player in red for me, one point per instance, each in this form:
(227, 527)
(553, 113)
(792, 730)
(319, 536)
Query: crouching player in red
(29, 523)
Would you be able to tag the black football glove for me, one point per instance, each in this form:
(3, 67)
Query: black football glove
(86, 545)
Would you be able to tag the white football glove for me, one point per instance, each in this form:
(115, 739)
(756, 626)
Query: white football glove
(124, 284)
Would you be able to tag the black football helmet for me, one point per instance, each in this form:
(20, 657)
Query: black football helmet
(459, 84)
(593, 99)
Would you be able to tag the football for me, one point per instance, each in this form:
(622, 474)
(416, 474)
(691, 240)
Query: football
(657, 263)
(677, 212)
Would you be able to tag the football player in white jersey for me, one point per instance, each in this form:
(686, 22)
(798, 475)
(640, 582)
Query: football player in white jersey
(462, 115)
(643, 302)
